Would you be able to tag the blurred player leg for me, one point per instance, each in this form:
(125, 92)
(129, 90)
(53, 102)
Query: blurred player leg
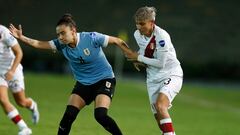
(102, 103)
(163, 118)
(11, 112)
(29, 103)
(76, 103)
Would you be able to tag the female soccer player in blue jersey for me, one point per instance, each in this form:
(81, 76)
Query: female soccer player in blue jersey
(94, 76)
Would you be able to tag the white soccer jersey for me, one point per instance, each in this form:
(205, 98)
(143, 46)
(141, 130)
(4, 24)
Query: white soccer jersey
(6, 54)
(162, 62)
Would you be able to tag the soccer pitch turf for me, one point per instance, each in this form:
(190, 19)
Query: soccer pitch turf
(198, 109)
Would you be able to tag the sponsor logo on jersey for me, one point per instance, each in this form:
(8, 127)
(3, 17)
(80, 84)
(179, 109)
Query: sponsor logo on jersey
(162, 43)
(86, 51)
(93, 34)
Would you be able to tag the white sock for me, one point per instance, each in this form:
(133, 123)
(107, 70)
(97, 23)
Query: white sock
(32, 105)
(16, 118)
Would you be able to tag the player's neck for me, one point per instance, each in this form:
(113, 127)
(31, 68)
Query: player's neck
(75, 40)
(149, 34)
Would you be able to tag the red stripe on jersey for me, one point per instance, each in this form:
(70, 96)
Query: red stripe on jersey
(16, 119)
(167, 127)
(150, 48)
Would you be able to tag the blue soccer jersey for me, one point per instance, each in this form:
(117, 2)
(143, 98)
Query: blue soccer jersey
(87, 60)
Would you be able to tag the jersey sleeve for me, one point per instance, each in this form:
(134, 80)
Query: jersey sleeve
(99, 39)
(55, 45)
(156, 62)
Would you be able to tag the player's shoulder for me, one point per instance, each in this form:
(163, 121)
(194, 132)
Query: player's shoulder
(88, 34)
(138, 36)
(3, 28)
(161, 34)
(137, 33)
(160, 31)
(58, 44)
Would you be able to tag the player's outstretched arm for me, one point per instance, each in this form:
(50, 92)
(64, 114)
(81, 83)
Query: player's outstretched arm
(121, 44)
(17, 33)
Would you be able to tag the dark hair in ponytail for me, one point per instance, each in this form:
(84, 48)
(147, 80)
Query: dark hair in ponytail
(67, 19)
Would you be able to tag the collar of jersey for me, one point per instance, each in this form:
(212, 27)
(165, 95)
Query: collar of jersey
(78, 40)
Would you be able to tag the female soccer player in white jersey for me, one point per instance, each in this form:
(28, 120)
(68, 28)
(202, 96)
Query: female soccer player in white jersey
(95, 80)
(164, 73)
(11, 76)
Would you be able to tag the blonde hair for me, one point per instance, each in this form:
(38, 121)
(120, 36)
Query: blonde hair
(145, 13)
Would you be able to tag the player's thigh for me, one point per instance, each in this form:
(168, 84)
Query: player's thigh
(77, 101)
(102, 100)
(171, 87)
(104, 91)
(153, 91)
(17, 83)
(81, 95)
(3, 93)
(19, 96)
(3, 89)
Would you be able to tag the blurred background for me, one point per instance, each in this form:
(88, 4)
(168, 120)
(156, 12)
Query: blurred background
(205, 33)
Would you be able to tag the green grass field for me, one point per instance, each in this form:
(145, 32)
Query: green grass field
(198, 110)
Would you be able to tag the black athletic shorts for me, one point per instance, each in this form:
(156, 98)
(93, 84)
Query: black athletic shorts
(89, 92)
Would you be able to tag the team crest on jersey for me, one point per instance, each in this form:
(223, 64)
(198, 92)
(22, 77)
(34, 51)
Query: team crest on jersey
(86, 51)
(162, 43)
(152, 46)
(108, 84)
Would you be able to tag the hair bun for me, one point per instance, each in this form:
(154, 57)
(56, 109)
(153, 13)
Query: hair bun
(67, 16)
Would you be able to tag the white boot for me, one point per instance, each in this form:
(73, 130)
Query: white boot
(25, 131)
(35, 113)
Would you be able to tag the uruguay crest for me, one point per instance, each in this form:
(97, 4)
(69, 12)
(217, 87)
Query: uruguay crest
(86, 51)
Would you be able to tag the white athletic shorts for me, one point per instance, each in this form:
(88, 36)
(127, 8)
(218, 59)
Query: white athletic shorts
(169, 87)
(17, 83)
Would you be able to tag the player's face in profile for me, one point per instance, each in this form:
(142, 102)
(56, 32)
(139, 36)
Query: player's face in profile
(145, 27)
(65, 34)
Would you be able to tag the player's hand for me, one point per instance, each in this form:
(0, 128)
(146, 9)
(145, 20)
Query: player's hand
(132, 56)
(9, 75)
(17, 33)
(137, 65)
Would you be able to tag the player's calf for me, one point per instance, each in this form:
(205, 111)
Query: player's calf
(67, 120)
(107, 122)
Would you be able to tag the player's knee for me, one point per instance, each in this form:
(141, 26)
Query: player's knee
(100, 114)
(161, 108)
